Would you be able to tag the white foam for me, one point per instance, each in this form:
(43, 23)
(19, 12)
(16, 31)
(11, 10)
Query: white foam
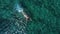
(19, 8)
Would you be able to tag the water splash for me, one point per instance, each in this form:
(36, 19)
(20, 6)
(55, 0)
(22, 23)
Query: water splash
(18, 7)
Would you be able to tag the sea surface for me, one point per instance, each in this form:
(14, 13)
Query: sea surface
(44, 17)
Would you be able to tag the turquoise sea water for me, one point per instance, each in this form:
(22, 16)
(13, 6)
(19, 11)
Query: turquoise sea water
(45, 15)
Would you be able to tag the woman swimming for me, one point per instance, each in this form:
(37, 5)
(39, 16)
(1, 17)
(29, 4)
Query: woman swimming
(20, 10)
